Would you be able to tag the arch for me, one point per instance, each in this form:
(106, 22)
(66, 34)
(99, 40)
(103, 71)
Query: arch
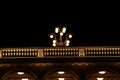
(102, 72)
(29, 73)
(61, 69)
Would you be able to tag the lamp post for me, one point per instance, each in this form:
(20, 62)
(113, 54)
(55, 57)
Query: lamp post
(60, 42)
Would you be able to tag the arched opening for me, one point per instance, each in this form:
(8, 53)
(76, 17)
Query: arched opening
(103, 75)
(61, 75)
(19, 75)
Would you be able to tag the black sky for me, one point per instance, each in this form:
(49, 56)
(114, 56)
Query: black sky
(29, 26)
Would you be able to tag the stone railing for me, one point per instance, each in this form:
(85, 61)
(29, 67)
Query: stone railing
(58, 51)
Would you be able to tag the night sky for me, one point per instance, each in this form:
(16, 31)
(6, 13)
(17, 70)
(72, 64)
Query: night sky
(29, 26)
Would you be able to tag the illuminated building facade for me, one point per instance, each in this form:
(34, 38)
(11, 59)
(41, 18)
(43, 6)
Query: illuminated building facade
(60, 63)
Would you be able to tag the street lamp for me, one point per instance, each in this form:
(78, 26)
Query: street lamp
(60, 42)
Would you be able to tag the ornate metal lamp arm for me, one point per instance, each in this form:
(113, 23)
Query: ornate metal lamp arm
(67, 40)
(53, 36)
(68, 36)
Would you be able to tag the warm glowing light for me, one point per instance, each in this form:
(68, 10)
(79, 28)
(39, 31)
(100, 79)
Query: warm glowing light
(61, 78)
(54, 44)
(60, 42)
(61, 72)
(64, 30)
(56, 30)
(20, 73)
(70, 36)
(24, 78)
(102, 72)
(100, 78)
(61, 34)
(67, 44)
(54, 41)
(68, 41)
(51, 36)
